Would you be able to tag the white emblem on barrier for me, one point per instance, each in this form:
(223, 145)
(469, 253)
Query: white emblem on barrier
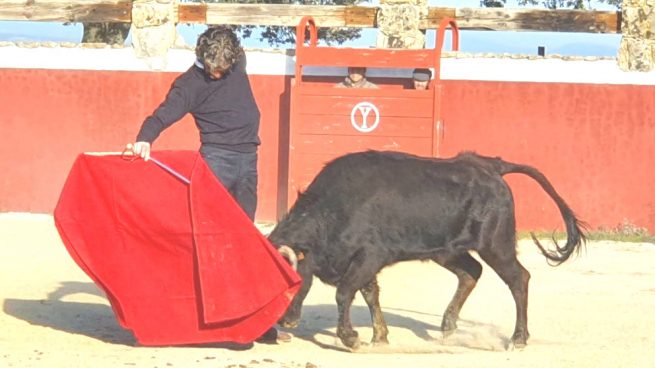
(364, 109)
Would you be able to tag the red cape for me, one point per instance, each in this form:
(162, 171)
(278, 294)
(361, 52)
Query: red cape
(180, 263)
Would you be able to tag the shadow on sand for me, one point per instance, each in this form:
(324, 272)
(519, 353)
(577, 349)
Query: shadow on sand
(97, 321)
(94, 320)
(90, 319)
(319, 321)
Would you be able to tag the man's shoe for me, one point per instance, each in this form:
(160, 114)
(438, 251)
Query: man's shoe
(284, 336)
(273, 336)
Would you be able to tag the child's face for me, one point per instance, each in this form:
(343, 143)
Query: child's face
(420, 84)
(356, 74)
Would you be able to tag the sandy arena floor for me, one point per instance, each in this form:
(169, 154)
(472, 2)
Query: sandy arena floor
(596, 310)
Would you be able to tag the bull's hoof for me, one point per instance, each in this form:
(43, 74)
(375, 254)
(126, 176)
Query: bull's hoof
(448, 327)
(519, 341)
(290, 324)
(379, 341)
(516, 346)
(350, 339)
(353, 343)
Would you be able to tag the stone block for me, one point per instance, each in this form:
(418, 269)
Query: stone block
(636, 54)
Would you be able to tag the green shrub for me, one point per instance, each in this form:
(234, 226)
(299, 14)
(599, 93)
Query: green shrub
(625, 231)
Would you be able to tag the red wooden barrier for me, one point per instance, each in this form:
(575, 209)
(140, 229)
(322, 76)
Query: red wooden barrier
(327, 122)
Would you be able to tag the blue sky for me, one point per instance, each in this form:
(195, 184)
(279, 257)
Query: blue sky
(579, 44)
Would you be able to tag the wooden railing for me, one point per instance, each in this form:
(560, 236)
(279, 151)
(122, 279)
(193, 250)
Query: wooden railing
(497, 19)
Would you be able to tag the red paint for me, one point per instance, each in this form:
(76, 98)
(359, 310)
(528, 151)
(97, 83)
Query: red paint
(594, 142)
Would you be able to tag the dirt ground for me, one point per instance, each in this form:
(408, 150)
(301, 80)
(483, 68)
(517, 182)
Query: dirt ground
(596, 310)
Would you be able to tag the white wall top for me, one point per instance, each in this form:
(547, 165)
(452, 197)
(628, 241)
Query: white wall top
(276, 62)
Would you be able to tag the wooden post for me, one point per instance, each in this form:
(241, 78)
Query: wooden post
(399, 22)
(637, 48)
(153, 30)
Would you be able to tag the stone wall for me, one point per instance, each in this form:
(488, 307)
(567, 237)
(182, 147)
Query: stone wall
(637, 48)
(398, 22)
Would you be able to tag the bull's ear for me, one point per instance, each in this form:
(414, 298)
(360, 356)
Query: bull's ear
(301, 251)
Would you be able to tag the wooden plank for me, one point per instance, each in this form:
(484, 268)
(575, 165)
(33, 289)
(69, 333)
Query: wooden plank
(69, 11)
(310, 153)
(360, 16)
(435, 15)
(384, 58)
(290, 15)
(334, 125)
(339, 145)
(343, 105)
(310, 145)
(314, 150)
(274, 14)
(192, 13)
(561, 20)
(499, 19)
(325, 89)
(309, 165)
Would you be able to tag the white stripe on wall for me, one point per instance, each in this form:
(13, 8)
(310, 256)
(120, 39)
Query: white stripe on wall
(273, 62)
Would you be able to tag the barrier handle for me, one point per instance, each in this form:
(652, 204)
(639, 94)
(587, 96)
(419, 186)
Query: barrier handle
(445, 22)
(301, 30)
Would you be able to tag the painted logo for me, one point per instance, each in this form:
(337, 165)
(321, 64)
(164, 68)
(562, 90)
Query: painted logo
(360, 117)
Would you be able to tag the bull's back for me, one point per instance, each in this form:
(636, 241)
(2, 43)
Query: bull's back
(357, 176)
(405, 203)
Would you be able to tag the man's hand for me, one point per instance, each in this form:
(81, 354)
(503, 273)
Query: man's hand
(141, 149)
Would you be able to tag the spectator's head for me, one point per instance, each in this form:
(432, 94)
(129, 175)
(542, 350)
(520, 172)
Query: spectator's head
(218, 48)
(421, 77)
(356, 74)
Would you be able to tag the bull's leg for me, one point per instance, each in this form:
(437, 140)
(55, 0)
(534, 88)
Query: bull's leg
(360, 272)
(371, 294)
(468, 271)
(509, 269)
(291, 317)
(345, 332)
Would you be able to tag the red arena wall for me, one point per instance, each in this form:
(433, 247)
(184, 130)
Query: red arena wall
(50, 116)
(587, 126)
(593, 141)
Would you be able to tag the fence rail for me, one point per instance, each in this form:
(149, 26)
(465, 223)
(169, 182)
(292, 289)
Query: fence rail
(497, 19)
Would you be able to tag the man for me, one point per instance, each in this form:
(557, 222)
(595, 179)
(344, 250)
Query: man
(356, 79)
(421, 77)
(217, 93)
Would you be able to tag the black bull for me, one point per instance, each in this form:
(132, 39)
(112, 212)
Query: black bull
(365, 211)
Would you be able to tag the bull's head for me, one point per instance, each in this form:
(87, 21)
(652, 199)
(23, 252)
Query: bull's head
(298, 230)
(291, 317)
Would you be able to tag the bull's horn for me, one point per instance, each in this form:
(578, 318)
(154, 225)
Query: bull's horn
(290, 255)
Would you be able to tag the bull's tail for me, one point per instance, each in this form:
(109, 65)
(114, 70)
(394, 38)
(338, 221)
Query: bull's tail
(574, 227)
